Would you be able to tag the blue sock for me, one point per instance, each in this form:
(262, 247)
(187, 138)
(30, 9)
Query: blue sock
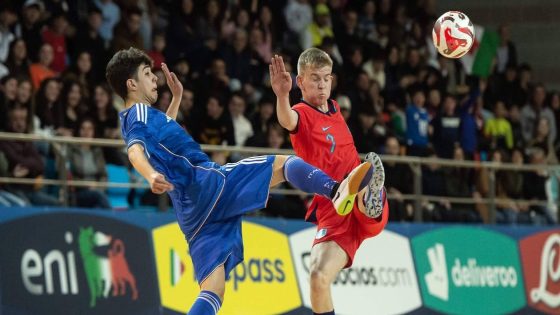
(327, 313)
(307, 177)
(207, 303)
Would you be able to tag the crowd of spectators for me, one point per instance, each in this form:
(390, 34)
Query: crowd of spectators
(397, 94)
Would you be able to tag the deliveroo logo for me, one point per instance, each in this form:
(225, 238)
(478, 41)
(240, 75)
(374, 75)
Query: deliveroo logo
(458, 268)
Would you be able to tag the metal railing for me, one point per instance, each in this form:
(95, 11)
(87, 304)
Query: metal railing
(415, 164)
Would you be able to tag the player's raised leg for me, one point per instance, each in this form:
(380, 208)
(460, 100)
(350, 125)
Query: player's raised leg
(211, 295)
(372, 198)
(309, 178)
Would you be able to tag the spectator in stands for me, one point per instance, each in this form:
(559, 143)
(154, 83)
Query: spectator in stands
(375, 68)
(345, 107)
(89, 39)
(398, 181)
(105, 115)
(320, 28)
(209, 24)
(543, 141)
(367, 25)
(24, 98)
(18, 62)
(216, 127)
(111, 14)
(433, 184)
(433, 104)
(7, 199)
(48, 107)
(237, 57)
(261, 121)
(8, 94)
(532, 112)
(534, 189)
(446, 132)
(360, 96)
(156, 52)
(216, 82)
(471, 122)
(299, 16)
(127, 32)
(516, 129)
(507, 53)
(458, 183)
(55, 35)
(364, 133)
(42, 70)
(25, 161)
(506, 182)
(74, 107)
(417, 124)
(29, 28)
(497, 130)
(242, 127)
(185, 116)
(81, 71)
(8, 17)
(87, 163)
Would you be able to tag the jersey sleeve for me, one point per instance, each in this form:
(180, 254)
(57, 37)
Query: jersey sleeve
(136, 131)
(303, 120)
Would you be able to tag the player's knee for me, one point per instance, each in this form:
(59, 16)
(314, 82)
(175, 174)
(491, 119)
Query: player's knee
(319, 280)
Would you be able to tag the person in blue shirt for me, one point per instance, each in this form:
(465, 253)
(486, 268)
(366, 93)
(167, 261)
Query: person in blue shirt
(209, 199)
(417, 123)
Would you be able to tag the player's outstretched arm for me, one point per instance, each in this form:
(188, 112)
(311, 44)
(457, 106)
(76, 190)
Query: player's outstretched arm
(176, 88)
(157, 181)
(281, 83)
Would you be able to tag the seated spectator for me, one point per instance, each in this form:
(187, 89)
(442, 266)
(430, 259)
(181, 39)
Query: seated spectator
(216, 127)
(534, 189)
(89, 39)
(25, 161)
(8, 94)
(30, 26)
(74, 107)
(398, 182)
(543, 141)
(127, 32)
(319, 29)
(24, 98)
(237, 57)
(434, 184)
(18, 60)
(345, 106)
(458, 183)
(185, 115)
(87, 163)
(81, 71)
(48, 108)
(156, 53)
(55, 35)
(7, 199)
(111, 14)
(533, 111)
(417, 125)
(497, 130)
(366, 137)
(42, 70)
(446, 132)
(242, 127)
(507, 182)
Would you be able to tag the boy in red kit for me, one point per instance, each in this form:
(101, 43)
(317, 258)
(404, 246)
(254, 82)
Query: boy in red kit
(320, 135)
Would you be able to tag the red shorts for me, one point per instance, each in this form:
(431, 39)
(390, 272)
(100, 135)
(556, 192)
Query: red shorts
(347, 231)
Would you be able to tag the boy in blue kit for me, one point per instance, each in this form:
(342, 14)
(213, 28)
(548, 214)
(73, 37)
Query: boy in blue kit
(209, 199)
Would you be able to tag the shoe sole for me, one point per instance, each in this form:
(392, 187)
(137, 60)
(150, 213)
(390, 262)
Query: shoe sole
(377, 179)
(352, 188)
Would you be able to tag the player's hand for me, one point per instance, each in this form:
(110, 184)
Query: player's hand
(158, 184)
(280, 79)
(175, 86)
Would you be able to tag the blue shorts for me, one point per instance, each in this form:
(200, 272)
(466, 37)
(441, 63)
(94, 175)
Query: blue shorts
(219, 240)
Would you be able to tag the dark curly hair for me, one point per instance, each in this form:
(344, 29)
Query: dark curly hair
(123, 66)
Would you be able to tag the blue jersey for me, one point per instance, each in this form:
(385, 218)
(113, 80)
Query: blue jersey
(208, 199)
(172, 152)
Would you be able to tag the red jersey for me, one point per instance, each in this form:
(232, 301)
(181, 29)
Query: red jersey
(324, 140)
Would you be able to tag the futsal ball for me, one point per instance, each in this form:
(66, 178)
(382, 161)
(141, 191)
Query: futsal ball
(453, 34)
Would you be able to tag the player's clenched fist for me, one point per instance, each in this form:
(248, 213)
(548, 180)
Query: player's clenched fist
(159, 185)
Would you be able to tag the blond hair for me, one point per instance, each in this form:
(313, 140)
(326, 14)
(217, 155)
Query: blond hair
(315, 58)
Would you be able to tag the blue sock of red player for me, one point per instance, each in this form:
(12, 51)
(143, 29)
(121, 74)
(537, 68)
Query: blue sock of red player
(207, 303)
(307, 177)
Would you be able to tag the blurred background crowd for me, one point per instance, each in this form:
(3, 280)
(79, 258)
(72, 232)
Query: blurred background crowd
(397, 94)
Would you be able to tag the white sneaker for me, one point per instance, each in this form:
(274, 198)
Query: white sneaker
(374, 198)
(345, 195)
